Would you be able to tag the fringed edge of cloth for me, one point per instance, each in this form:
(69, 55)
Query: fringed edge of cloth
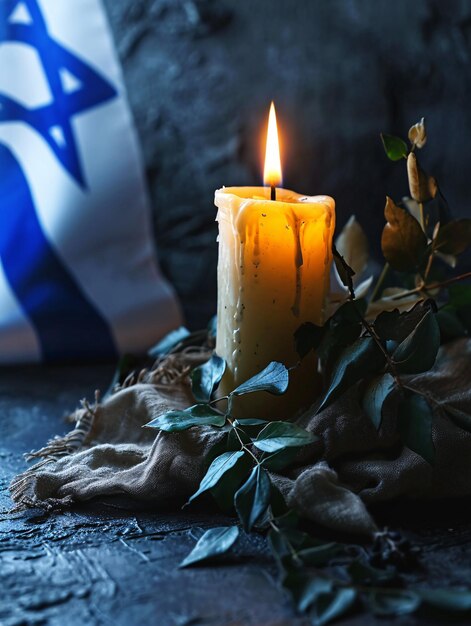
(21, 486)
(167, 370)
(58, 447)
(21, 492)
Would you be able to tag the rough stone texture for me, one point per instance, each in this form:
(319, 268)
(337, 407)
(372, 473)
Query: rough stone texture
(104, 564)
(107, 563)
(200, 75)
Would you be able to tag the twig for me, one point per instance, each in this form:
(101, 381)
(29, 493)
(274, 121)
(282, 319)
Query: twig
(422, 219)
(367, 326)
(216, 400)
(392, 367)
(429, 264)
(424, 394)
(242, 444)
(380, 281)
(432, 286)
(291, 548)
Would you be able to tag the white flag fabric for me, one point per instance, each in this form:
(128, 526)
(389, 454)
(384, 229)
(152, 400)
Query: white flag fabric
(78, 276)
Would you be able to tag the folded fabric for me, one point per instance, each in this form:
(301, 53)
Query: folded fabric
(331, 482)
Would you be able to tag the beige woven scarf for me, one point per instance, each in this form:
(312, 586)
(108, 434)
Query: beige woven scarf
(332, 482)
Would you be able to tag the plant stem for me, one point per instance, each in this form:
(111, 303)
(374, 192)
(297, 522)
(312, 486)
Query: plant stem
(426, 288)
(424, 394)
(216, 400)
(380, 281)
(367, 326)
(422, 219)
(293, 551)
(242, 444)
(391, 366)
(429, 265)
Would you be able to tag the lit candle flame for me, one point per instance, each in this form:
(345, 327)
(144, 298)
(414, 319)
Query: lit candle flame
(272, 171)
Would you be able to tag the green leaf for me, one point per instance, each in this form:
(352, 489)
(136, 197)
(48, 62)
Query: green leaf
(307, 337)
(228, 485)
(234, 439)
(341, 330)
(205, 378)
(403, 241)
(213, 543)
(217, 469)
(169, 342)
(450, 324)
(253, 498)
(415, 425)
(447, 599)
(357, 361)
(418, 351)
(279, 460)
(351, 311)
(454, 237)
(344, 271)
(397, 326)
(279, 435)
(331, 605)
(393, 602)
(394, 147)
(197, 415)
(460, 295)
(279, 509)
(376, 393)
(221, 446)
(305, 588)
(274, 379)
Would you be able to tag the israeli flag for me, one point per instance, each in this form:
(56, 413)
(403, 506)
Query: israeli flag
(78, 276)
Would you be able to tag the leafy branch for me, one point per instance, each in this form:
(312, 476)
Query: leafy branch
(325, 579)
(387, 345)
(368, 348)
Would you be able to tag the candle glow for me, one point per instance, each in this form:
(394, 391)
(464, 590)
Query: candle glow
(272, 175)
(273, 276)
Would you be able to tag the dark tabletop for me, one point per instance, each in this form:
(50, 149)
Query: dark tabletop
(102, 564)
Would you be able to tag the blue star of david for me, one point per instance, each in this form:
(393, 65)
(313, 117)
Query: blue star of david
(53, 120)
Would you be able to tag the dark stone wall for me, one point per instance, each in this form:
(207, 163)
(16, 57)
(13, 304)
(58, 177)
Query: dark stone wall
(200, 75)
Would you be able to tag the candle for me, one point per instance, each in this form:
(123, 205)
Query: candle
(273, 275)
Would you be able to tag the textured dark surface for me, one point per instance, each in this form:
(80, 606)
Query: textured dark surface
(200, 75)
(100, 565)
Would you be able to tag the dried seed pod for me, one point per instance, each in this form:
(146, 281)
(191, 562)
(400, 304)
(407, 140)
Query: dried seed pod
(418, 134)
(422, 186)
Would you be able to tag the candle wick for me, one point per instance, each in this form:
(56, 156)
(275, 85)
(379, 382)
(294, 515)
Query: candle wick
(273, 192)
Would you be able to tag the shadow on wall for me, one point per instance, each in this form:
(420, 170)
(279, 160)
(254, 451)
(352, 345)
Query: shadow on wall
(200, 76)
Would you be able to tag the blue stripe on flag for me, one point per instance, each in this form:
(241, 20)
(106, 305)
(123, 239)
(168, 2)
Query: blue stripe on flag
(67, 324)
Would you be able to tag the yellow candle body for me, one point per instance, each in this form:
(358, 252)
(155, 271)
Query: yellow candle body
(273, 275)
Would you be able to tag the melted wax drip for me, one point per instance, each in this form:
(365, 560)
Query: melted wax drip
(297, 227)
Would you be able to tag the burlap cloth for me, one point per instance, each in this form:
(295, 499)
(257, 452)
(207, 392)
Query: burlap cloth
(109, 453)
